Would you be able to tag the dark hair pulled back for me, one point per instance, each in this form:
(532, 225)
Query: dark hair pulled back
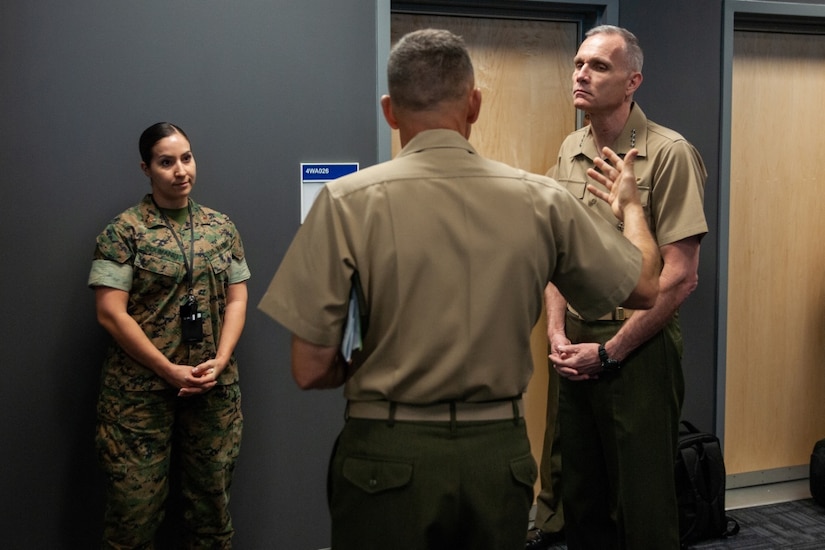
(154, 134)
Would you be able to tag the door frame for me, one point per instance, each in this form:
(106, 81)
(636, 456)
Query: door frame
(585, 13)
(760, 16)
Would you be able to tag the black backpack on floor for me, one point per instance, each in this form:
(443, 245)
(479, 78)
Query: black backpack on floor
(817, 472)
(700, 487)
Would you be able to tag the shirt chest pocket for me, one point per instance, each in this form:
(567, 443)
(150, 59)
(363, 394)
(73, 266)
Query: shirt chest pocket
(220, 259)
(153, 265)
(578, 189)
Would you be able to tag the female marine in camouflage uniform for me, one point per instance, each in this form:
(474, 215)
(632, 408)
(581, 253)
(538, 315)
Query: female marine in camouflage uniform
(170, 287)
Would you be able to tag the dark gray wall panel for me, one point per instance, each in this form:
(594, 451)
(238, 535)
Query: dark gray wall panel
(682, 41)
(259, 87)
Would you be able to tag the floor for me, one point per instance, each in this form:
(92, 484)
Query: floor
(760, 495)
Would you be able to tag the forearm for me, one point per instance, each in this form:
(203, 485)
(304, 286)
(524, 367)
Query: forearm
(315, 366)
(234, 320)
(623, 196)
(556, 306)
(677, 281)
(641, 327)
(637, 232)
(131, 338)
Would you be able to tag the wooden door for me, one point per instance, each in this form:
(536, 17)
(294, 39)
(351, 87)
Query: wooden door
(775, 380)
(523, 69)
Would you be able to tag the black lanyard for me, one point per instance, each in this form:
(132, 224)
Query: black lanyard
(189, 265)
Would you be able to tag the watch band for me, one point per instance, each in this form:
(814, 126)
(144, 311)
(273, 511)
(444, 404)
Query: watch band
(608, 364)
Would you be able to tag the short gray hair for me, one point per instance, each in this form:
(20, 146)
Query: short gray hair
(427, 67)
(633, 51)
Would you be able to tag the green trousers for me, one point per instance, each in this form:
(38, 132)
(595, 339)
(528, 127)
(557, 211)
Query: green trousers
(619, 444)
(549, 508)
(433, 486)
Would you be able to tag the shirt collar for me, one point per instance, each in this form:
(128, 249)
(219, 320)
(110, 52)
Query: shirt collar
(152, 216)
(634, 134)
(439, 138)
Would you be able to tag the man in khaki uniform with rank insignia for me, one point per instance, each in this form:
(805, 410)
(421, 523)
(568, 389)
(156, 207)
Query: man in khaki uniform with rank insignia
(622, 385)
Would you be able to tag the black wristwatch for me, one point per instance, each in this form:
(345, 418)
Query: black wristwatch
(608, 364)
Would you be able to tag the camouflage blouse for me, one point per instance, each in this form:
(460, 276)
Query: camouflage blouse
(138, 253)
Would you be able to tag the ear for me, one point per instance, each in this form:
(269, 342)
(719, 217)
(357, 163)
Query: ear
(474, 106)
(389, 116)
(634, 83)
(145, 168)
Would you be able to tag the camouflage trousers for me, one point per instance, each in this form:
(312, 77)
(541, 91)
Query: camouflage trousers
(137, 432)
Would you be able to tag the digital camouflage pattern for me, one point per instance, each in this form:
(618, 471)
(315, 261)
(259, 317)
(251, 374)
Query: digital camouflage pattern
(140, 417)
(140, 238)
(134, 440)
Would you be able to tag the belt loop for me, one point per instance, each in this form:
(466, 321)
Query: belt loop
(391, 417)
(452, 418)
(514, 402)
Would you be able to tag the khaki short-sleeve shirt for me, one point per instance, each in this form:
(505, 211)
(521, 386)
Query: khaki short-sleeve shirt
(453, 252)
(670, 173)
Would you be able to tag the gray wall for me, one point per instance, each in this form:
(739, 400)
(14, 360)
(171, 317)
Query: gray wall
(682, 89)
(260, 87)
(682, 42)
